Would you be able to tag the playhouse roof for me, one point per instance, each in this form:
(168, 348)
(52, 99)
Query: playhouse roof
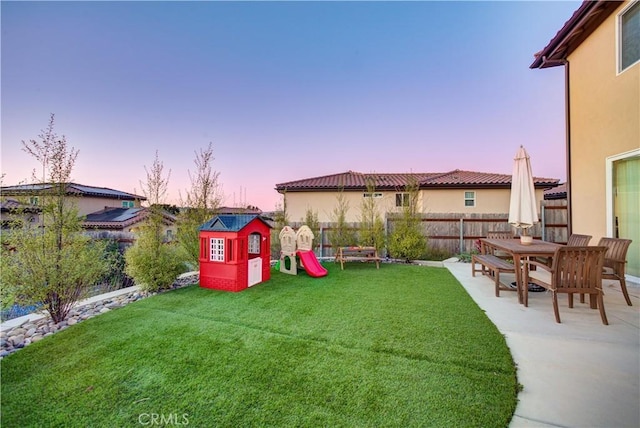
(231, 222)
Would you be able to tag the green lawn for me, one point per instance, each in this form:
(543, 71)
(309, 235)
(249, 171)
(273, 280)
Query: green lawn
(400, 346)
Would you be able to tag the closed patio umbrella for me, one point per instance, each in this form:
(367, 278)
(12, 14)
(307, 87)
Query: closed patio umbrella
(523, 212)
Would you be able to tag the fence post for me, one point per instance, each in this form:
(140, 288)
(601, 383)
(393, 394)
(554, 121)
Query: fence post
(321, 242)
(543, 235)
(461, 235)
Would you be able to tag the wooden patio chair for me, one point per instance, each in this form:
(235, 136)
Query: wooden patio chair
(576, 240)
(615, 260)
(500, 235)
(574, 270)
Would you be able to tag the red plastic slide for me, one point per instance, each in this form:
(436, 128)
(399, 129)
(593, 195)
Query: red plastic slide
(311, 264)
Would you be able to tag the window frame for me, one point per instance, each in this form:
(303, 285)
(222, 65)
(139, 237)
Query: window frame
(472, 198)
(375, 195)
(216, 252)
(253, 243)
(619, 45)
(405, 200)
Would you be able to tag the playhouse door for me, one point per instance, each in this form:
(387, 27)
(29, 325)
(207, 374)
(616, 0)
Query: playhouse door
(255, 271)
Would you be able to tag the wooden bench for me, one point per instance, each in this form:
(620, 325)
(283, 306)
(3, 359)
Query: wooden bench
(359, 254)
(493, 266)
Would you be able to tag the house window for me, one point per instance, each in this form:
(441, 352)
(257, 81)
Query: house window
(217, 250)
(469, 199)
(254, 243)
(402, 199)
(34, 200)
(372, 195)
(629, 36)
(127, 204)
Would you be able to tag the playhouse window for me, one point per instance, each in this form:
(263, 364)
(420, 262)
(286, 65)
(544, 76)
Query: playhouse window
(217, 250)
(230, 252)
(254, 243)
(203, 249)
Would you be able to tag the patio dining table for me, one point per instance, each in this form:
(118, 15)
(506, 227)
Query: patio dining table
(519, 253)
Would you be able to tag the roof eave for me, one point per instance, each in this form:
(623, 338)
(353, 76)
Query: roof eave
(582, 23)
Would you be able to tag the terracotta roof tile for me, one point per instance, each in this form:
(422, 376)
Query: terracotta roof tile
(352, 180)
(580, 25)
(559, 192)
(8, 205)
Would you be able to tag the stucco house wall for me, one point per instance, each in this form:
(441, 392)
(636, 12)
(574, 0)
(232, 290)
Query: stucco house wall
(488, 201)
(605, 121)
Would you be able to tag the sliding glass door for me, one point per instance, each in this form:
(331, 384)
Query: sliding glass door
(625, 176)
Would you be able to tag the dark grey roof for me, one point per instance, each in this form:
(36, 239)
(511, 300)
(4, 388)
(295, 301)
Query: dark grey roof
(72, 189)
(114, 214)
(118, 218)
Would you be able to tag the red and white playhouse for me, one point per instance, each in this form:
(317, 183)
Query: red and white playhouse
(235, 252)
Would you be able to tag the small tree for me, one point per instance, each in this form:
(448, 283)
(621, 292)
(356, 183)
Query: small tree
(407, 240)
(371, 223)
(151, 262)
(341, 234)
(199, 205)
(53, 263)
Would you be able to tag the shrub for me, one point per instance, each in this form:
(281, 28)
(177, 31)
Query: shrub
(152, 263)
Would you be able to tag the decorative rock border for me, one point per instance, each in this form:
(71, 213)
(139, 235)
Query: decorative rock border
(15, 338)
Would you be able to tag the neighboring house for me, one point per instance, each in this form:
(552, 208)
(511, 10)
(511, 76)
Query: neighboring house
(122, 221)
(88, 199)
(457, 191)
(12, 211)
(107, 211)
(554, 193)
(599, 48)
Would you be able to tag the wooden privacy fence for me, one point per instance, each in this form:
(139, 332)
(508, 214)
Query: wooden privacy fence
(457, 233)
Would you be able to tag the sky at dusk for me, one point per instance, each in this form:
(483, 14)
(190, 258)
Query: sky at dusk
(283, 90)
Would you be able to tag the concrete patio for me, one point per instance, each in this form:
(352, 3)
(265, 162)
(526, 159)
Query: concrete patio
(579, 373)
